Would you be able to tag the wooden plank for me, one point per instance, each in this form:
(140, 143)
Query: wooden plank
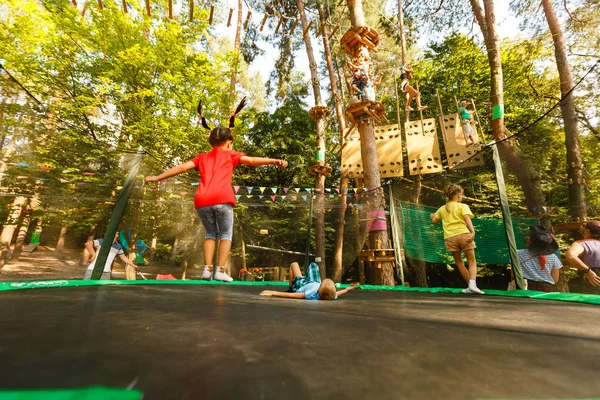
(212, 12)
(247, 19)
(264, 20)
(229, 17)
(422, 147)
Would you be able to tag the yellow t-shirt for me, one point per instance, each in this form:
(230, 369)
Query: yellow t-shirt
(453, 221)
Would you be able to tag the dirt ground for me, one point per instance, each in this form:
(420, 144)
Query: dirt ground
(44, 263)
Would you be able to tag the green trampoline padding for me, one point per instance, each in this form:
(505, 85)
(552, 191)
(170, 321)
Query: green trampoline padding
(571, 297)
(91, 393)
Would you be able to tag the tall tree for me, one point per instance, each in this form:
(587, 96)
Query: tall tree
(319, 112)
(569, 115)
(509, 148)
(375, 200)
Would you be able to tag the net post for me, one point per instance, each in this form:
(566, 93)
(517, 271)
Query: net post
(396, 233)
(117, 214)
(506, 217)
(310, 216)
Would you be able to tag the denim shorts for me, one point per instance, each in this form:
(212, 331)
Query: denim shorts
(217, 221)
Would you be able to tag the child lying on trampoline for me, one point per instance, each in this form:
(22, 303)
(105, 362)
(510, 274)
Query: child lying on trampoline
(308, 287)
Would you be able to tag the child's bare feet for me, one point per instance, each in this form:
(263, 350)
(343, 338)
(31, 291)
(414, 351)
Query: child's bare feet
(422, 108)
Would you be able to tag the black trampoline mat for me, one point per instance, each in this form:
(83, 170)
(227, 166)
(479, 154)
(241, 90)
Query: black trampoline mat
(226, 342)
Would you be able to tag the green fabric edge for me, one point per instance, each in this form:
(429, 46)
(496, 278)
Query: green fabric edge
(90, 393)
(571, 297)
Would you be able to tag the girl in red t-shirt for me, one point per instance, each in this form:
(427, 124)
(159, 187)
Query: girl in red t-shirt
(214, 199)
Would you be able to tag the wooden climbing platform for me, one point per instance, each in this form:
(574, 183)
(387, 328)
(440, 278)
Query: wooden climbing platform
(460, 153)
(363, 109)
(353, 40)
(422, 147)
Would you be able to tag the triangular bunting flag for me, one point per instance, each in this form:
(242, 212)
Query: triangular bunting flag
(44, 168)
(297, 190)
(236, 188)
(237, 196)
(345, 190)
(285, 190)
(337, 190)
(89, 173)
(273, 198)
(260, 196)
(328, 190)
(22, 164)
(355, 190)
(262, 189)
(196, 184)
(294, 198)
(249, 196)
(274, 190)
(308, 189)
(304, 197)
(249, 188)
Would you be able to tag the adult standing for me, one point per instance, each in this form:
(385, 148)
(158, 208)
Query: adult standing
(585, 256)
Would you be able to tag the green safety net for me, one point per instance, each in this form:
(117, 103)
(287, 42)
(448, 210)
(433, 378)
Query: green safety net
(424, 241)
(91, 393)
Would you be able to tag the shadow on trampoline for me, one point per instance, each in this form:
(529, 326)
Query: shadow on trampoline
(227, 342)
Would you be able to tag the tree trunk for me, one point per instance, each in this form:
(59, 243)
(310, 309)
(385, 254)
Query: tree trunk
(401, 28)
(9, 228)
(418, 268)
(319, 113)
(23, 229)
(236, 52)
(338, 248)
(509, 150)
(60, 244)
(382, 273)
(569, 115)
(174, 251)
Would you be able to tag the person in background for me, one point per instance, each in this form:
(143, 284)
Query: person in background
(93, 246)
(585, 256)
(540, 266)
(308, 287)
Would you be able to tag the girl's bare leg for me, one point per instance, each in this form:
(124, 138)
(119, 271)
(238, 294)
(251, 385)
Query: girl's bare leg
(294, 271)
(472, 261)
(461, 265)
(209, 251)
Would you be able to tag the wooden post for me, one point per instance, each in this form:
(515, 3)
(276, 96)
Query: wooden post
(247, 19)
(229, 17)
(442, 115)
(170, 9)
(100, 6)
(397, 100)
(421, 113)
(278, 24)
(124, 2)
(456, 102)
(293, 26)
(305, 31)
(262, 23)
(191, 10)
(148, 12)
(212, 12)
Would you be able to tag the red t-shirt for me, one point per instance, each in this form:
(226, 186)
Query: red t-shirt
(216, 170)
